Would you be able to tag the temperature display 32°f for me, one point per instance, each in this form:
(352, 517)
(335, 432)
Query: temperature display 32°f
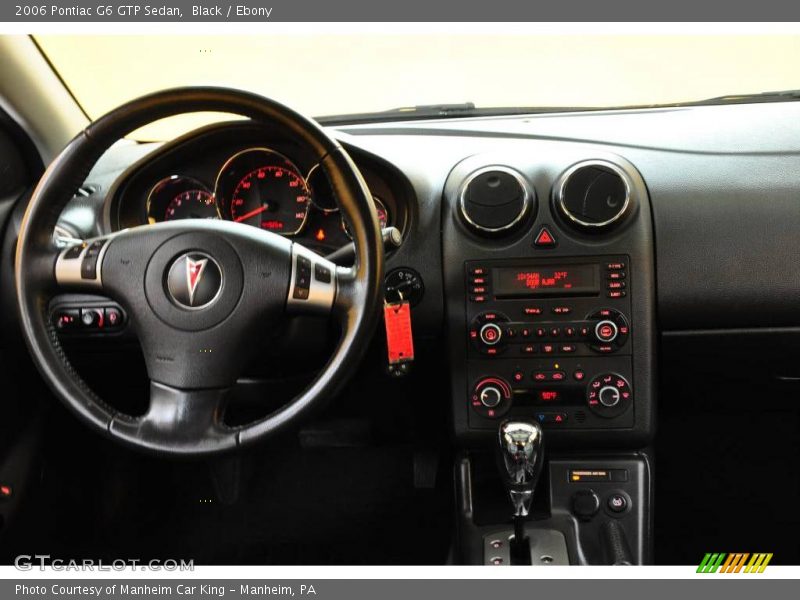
(556, 280)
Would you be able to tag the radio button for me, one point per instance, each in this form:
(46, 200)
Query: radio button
(555, 332)
(491, 334)
(615, 266)
(478, 299)
(567, 348)
(548, 348)
(541, 332)
(616, 275)
(569, 331)
(526, 333)
(617, 294)
(533, 310)
(606, 331)
(561, 310)
(529, 349)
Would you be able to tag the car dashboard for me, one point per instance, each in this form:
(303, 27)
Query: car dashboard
(556, 259)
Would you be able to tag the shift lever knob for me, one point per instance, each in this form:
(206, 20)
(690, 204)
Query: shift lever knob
(521, 458)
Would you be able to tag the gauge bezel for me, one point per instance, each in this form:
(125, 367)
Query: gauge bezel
(172, 180)
(288, 164)
(377, 201)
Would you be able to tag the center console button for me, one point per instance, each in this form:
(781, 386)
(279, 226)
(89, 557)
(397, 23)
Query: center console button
(490, 334)
(617, 503)
(606, 331)
(585, 504)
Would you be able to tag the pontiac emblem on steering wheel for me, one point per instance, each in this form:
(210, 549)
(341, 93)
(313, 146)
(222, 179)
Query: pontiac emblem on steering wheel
(194, 280)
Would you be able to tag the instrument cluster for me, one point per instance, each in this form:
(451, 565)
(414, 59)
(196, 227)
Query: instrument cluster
(263, 188)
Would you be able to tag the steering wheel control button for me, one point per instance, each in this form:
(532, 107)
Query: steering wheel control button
(309, 293)
(585, 504)
(90, 259)
(74, 252)
(609, 395)
(593, 195)
(322, 273)
(495, 200)
(194, 281)
(617, 503)
(93, 318)
(491, 397)
(302, 279)
(545, 238)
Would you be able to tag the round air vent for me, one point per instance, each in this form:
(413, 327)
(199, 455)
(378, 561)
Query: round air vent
(593, 195)
(494, 200)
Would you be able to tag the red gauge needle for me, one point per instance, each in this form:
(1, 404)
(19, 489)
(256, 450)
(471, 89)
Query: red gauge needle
(252, 213)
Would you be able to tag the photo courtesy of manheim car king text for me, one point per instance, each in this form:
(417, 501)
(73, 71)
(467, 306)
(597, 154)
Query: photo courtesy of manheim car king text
(349, 300)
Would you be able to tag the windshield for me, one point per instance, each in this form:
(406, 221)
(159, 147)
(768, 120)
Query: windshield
(360, 73)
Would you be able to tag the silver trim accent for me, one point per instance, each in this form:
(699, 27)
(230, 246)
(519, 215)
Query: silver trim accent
(68, 270)
(548, 547)
(530, 193)
(562, 180)
(320, 295)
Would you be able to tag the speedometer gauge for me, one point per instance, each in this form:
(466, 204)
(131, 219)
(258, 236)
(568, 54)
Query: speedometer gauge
(263, 188)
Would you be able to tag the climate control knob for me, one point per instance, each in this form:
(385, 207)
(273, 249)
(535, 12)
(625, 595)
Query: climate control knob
(609, 395)
(491, 396)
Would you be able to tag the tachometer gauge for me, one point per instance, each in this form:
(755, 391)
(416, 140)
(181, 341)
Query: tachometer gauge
(262, 188)
(177, 197)
(383, 216)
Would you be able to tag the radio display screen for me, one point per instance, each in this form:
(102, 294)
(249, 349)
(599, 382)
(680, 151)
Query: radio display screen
(556, 280)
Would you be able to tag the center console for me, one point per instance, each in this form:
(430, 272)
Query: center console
(550, 295)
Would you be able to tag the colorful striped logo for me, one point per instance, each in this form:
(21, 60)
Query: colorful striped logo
(721, 562)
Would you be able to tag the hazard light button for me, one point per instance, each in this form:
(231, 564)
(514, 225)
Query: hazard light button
(545, 238)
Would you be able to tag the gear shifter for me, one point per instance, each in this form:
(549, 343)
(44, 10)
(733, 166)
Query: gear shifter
(520, 459)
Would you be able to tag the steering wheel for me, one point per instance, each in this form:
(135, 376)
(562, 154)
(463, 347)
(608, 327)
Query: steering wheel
(198, 293)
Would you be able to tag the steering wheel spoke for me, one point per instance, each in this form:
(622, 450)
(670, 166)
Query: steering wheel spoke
(80, 266)
(181, 417)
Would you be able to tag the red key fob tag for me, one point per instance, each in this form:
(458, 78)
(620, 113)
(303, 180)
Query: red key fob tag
(399, 341)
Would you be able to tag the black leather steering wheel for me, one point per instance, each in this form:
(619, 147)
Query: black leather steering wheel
(198, 292)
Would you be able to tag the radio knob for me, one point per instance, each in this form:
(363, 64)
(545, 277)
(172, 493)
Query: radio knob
(609, 396)
(606, 331)
(490, 334)
(491, 396)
